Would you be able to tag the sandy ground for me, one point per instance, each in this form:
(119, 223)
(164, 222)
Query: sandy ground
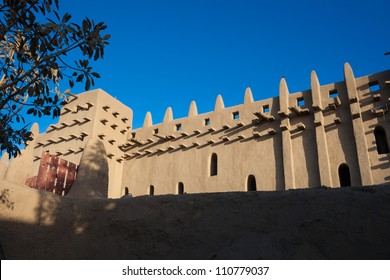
(347, 223)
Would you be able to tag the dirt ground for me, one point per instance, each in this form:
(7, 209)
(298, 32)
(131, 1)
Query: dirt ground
(323, 223)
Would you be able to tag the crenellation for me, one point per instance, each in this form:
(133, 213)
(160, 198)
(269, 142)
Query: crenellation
(193, 111)
(248, 97)
(219, 104)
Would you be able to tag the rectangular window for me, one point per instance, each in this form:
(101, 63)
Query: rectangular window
(178, 127)
(300, 101)
(333, 93)
(236, 115)
(133, 134)
(266, 109)
(374, 86)
(207, 121)
(155, 131)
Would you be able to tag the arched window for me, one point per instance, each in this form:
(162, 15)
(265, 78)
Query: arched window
(381, 140)
(344, 175)
(126, 191)
(151, 190)
(251, 183)
(214, 165)
(180, 188)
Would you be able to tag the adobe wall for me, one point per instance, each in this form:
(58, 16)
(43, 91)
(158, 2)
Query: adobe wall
(286, 146)
(90, 115)
(295, 140)
(318, 224)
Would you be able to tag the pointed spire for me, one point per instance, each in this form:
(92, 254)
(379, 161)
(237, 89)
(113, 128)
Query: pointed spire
(315, 91)
(348, 72)
(168, 115)
(148, 120)
(248, 98)
(219, 105)
(193, 109)
(349, 78)
(283, 96)
(35, 129)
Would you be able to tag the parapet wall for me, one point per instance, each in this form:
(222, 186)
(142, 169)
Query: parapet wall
(322, 136)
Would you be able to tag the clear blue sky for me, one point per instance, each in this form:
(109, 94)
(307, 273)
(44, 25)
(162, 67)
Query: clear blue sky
(168, 53)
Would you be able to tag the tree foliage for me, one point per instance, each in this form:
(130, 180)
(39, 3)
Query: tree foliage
(34, 43)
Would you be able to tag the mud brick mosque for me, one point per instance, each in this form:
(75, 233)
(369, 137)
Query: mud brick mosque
(330, 135)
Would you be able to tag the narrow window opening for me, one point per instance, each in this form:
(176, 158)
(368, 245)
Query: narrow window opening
(344, 175)
(251, 183)
(301, 102)
(381, 140)
(151, 190)
(214, 165)
(207, 121)
(133, 134)
(333, 93)
(155, 131)
(266, 109)
(180, 188)
(374, 86)
(126, 191)
(178, 127)
(236, 115)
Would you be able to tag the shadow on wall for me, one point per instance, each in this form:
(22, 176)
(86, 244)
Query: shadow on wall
(275, 225)
(5, 199)
(91, 182)
(56, 224)
(244, 225)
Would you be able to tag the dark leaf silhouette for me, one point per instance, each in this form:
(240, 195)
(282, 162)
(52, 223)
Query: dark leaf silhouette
(34, 43)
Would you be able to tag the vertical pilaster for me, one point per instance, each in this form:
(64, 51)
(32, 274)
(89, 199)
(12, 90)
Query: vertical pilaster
(358, 128)
(321, 141)
(21, 167)
(288, 161)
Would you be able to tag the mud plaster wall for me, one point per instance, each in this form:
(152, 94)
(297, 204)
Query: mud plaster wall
(290, 151)
(344, 223)
(282, 143)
